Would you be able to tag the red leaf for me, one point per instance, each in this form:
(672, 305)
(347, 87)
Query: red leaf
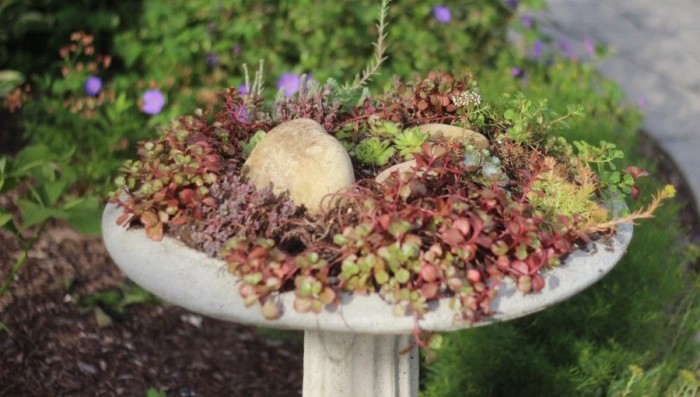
(635, 192)
(155, 232)
(428, 273)
(209, 201)
(149, 219)
(636, 172)
(123, 218)
(179, 220)
(452, 237)
(158, 197)
(473, 276)
(462, 224)
(429, 290)
(384, 221)
(537, 282)
(186, 196)
(520, 267)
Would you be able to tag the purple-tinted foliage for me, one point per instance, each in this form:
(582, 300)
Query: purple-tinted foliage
(537, 49)
(526, 20)
(289, 82)
(93, 86)
(153, 101)
(243, 116)
(442, 14)
(243, 211)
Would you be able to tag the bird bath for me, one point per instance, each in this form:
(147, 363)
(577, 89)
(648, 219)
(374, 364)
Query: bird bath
(354, 349)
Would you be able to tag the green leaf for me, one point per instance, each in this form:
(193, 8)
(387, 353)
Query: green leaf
(30, 157)
(381, 277)
(5, 219)
(85, 216)
(402, 276)
(9, 79)
(34, 214)
(51, 192)
(253, 142)
(399, 227)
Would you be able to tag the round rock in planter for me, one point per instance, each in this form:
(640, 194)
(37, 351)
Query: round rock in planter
(301, 158)
(352, 349)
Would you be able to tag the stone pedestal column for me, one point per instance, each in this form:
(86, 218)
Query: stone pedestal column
(359, 365)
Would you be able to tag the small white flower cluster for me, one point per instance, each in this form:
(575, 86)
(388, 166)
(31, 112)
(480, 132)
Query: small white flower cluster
(466, 98)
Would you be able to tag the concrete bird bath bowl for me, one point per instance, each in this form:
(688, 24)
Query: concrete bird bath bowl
(353, 349)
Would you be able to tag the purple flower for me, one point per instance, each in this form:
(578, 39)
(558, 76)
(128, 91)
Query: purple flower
(93, 85)
(526, 20)
(242, 114)
(289, 82)
(537, 49)
(243, 89)
(512, 3)
(442, 14)
(641, 101)
(153, 102)
(212, 60)
(567, 49)
(590, 45)
(517, 72)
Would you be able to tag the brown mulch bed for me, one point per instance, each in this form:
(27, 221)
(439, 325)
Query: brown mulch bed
(56, 347)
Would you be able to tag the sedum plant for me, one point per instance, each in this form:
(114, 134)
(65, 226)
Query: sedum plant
(465, 218)
(454, 228)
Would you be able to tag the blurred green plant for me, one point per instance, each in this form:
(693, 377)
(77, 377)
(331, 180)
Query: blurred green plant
(114, 303)
(31, 30)
(40, 178)
(78, 111)
(153, 392)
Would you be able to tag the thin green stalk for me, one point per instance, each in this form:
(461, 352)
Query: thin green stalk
(21, 260)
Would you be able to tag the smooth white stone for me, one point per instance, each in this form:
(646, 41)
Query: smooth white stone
(301, 158)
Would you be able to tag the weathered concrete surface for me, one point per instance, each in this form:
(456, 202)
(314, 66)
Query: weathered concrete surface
(188, 278)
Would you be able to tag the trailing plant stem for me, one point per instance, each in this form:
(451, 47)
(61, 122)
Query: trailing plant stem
(21, 260)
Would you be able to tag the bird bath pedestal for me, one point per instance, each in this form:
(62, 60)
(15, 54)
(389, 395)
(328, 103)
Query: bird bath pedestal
(355, 349)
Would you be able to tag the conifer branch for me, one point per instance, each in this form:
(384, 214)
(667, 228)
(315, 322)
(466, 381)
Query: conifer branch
(380, 49)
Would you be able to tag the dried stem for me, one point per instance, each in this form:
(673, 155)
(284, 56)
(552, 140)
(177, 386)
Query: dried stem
(643, 213)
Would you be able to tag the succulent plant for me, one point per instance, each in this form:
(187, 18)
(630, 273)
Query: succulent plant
(453, 229)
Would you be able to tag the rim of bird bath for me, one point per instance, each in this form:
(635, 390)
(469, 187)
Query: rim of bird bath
(352, 349)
